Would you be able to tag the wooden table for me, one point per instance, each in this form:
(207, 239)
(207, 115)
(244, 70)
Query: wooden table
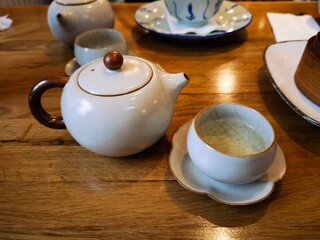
(52, 188)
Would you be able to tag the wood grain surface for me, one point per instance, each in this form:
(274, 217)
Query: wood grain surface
(52, 188)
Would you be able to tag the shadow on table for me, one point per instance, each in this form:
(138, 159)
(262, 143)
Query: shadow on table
(300, 130)
(80, 166)
(218, 213)
(164, 44)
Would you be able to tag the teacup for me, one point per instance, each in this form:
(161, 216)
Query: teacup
(95, 43)
(193, 12)
(231, 143)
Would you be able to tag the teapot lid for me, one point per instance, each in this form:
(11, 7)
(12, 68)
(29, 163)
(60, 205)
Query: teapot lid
(73, 2)
(131, 74)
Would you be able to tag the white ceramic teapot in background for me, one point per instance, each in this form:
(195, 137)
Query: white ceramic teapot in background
(114, 106)
(68, 18)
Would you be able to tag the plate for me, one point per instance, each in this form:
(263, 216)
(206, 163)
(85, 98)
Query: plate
(281, 61)
(152, 17)
(191, 178)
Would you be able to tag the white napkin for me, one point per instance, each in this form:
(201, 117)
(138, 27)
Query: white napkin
(178, 28)
(5, 22)
(287, 27)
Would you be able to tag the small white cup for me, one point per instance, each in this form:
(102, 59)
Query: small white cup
(193, 12)
(231, 143)
(95, 43)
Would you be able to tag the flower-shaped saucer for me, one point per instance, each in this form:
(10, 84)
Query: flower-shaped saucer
(196, 181)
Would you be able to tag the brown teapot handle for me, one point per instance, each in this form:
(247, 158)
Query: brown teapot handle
(36, 107)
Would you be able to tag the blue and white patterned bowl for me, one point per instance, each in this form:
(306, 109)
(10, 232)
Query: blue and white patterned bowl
(193, 12)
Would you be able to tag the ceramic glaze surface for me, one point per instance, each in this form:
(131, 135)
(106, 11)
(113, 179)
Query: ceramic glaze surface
(281, 61)
(66, 22)
(96, 79)
(236, 164)
(231, 16)
(230, 130)
(125, 124)
(231, 136)
(95, 43)
(102, 115)
(73, 2)
(191, 178)
(194, 11)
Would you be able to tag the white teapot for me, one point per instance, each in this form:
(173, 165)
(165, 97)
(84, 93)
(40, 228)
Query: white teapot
(114, 106)
(68, 18)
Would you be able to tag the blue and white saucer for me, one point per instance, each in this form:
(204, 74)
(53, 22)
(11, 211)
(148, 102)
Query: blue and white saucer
(231, 17)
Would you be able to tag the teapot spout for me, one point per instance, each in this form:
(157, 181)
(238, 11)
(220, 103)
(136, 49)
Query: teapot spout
(61, 18)
(175, 83)
(66, 20)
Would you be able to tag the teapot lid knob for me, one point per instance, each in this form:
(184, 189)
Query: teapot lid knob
(113, 60)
